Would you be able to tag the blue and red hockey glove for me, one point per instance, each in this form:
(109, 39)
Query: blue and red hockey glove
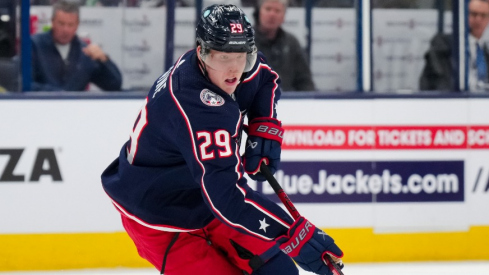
(308, 246)
(262, 145)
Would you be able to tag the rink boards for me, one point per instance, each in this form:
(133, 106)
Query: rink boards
(389, 179)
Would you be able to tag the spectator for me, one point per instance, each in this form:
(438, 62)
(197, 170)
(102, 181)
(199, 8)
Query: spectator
(281, 48)
(438, 71)
(63, 62)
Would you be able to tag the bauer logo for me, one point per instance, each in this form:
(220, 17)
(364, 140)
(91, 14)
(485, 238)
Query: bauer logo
(381, 181)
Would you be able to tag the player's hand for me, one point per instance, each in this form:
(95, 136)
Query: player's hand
(263, 145)
(308, 246)
(95, 52)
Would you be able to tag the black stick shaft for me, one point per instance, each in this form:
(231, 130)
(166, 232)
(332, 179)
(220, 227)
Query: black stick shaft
(279, 191)
(290, 206)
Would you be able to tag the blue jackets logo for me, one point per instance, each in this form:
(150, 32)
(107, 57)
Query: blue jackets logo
(375, 181)
(210, 98)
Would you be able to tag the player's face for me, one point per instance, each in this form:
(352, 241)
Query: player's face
(272, 15)
(225, 69)
(64, 26)
(478, 17)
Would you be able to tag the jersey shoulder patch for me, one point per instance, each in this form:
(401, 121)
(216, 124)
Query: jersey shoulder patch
(210, 98)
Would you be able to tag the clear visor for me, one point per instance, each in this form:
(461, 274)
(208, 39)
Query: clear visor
(250, 60)
(229, 62)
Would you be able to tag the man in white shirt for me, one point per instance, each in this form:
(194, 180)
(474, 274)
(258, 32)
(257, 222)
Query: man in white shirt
(478, 20)
(438, 71)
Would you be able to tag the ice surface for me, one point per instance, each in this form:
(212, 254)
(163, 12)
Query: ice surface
(420, 268)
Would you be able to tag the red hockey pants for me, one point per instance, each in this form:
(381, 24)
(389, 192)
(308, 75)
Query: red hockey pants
(206, 251)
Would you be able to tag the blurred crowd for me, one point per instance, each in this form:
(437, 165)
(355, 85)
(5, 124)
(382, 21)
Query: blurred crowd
(282, 48)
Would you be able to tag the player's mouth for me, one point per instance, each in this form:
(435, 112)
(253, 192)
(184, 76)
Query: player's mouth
(231, 81)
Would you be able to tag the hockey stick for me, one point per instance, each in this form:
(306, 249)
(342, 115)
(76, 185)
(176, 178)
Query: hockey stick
(292, 210)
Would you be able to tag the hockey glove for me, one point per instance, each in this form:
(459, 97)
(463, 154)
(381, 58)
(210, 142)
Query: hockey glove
(263, 145)
(308, 246)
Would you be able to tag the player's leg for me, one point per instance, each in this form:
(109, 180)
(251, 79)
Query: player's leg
(190, 253)
(242, 249)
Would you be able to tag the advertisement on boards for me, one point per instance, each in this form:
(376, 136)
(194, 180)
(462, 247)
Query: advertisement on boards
(385, 166)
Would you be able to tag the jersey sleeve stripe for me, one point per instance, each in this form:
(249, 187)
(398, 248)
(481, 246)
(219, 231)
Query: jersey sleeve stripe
(238, 164)
(272, 100)
(136, 133)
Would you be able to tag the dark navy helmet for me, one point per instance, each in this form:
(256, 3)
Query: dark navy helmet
(226, 28)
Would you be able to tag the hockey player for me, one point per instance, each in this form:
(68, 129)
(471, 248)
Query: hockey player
(178, 182)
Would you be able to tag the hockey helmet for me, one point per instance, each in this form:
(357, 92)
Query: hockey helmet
(226, 28)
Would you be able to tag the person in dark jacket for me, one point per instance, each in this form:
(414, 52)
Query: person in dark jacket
(61, 61)
(438, 73)
(281, 48)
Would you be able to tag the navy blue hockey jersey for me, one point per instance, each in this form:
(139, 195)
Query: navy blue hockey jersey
(182, 167)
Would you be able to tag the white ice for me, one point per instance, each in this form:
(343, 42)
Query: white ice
(421, 268)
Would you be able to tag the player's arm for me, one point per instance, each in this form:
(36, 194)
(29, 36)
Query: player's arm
(268, 91)
(265, 131)
(225, 189)
(305, 243)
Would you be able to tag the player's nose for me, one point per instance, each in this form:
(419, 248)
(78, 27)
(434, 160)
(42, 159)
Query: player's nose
(234, 68)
